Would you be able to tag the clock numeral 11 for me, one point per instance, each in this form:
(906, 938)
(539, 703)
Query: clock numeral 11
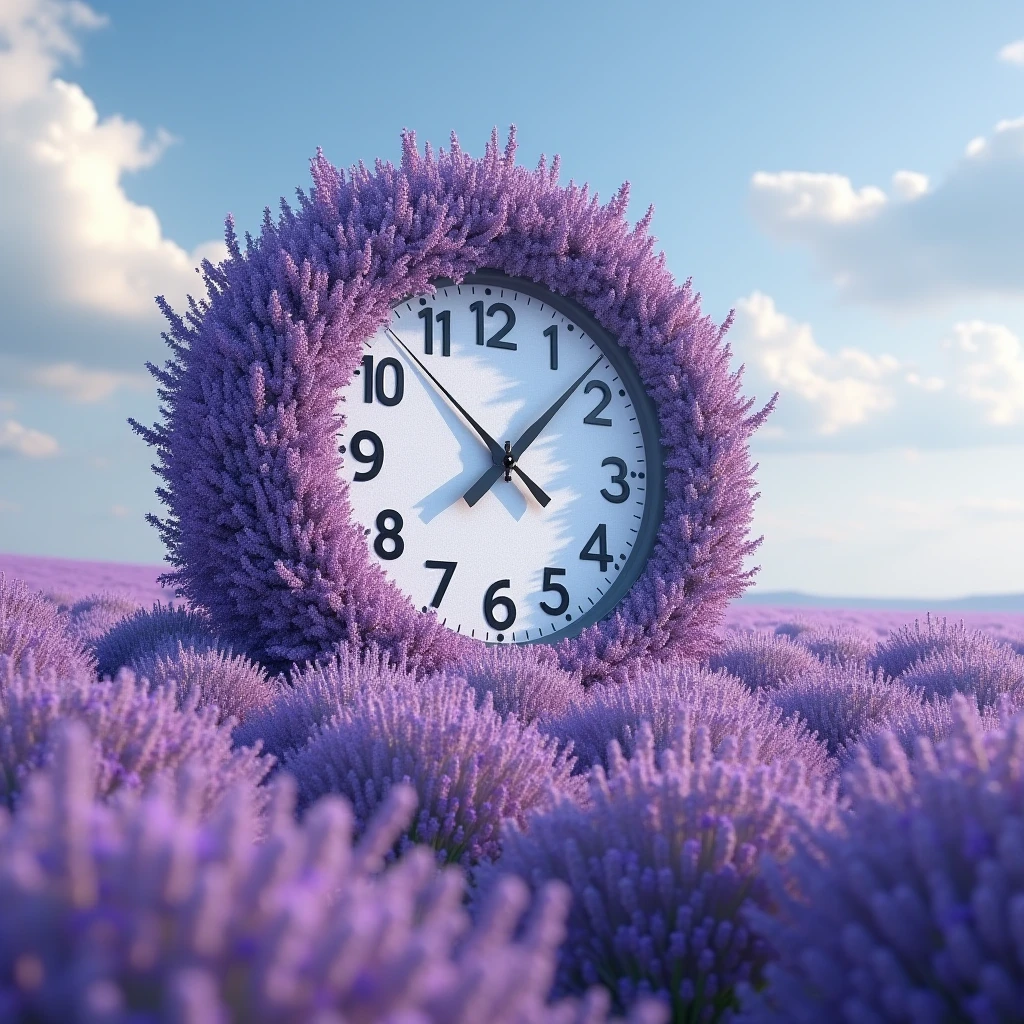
(444, 318)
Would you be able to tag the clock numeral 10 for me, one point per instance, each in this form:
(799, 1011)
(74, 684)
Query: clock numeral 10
(601, 556)
(374, 383)
(444, 318)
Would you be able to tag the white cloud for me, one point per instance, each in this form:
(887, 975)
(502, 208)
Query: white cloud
(990, 369)
(19, 440)
(89, 260)
(922, 243)
(80, 384)
(1013, 53)
(120, 511)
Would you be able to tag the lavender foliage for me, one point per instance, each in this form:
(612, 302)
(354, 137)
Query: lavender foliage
(840, 645)
(148, 633)
(94, 616)
(914, 911)
(978, 666)
(141, 912)
(905, 646)
(763, 661)
(662, 863)
(471, 769)
(31, 626)
(662, 696)
(258, 524)
(794, 629)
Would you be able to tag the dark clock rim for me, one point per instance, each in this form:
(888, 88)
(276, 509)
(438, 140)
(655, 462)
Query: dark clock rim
(650, 430)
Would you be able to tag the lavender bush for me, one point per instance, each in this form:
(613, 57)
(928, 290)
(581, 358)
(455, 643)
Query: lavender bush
(662, 864)
(661, 696)
(139, 912)
(978, 666)
(471, 769)
(839, 645)
(147, 633)
(762, 660)
(913, 912)
(905, 646)
(94, 616)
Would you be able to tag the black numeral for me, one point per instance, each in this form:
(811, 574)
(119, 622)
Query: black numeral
(494, 341)
(554, 588)
(593, 417)
(600, 538)
(375, 382)
(444, 318)
(491, 602)
(375, 458)
(619, 478)
(552, 333)
(390, 533)
(442, 587)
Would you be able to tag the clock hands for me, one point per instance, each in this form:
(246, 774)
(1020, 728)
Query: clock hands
(509, 459)
(499, 456)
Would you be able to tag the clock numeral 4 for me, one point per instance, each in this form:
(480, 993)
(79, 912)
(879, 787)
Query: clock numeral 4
(442, 587)
(375, 458)
(554, 588)
(492, 601)
(618, 478)
(444, 318)
(391, 533)
(601, 556)
(594, 417)
(494, 341)
(373, 383)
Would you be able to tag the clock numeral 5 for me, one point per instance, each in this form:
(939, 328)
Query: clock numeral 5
(374, 383)
(554, 588)
(444, 318)
(601, 556)
(618, 478)
(492, 601)
(391, 533)
(442, 587)
(494, 341)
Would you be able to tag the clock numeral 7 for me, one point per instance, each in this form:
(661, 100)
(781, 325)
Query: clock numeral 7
(374, 383)
(442, 587)
(554, 588)
(444, 318)
(601, 556)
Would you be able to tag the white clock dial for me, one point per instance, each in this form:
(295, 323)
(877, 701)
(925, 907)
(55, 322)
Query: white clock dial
(452, 383)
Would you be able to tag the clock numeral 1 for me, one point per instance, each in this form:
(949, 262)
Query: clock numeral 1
(493, 601)
(554, 588)
(601, 556)
(374, 383)
(442, 587)
(494, 341)
(444, 318)
(552, 333)
(618, 478)
(391, 533)
(593, 417)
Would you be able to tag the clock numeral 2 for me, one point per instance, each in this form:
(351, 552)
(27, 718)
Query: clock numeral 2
(554, 588)
(618, 478)
(444, 318)
(601, 556)
(442, 587)
(391, 533)
(492, 601)
(593, 417)
(374, 383)
(494, 341)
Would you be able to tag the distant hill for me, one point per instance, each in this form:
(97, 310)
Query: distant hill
(798, 599)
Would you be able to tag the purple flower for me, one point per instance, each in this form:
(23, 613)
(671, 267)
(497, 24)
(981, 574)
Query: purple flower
(796, 628)
(138, 735)
(905, 646)
(147, 633)
(522, 681)
(978, 666)
(661, 696)
(762, 660)
(258, 521)
(94, 616)
(141, 911)
(662, 862)
(471, 769)
(32, 625)
(913, 912)
(839, 645)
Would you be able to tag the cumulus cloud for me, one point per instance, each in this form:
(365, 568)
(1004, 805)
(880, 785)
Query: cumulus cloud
(1013, 53)
(990, 369)
(87, 261)
(16, 439)
(920, 243)
(80, 384)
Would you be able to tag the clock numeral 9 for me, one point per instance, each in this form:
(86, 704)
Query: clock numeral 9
(374, 383)
(391, 533)
(554, 588)
(593, 417)
(444, 318)
(494, 341)
(618, 478)
(493, 601)
(601, 556)
(375, 459)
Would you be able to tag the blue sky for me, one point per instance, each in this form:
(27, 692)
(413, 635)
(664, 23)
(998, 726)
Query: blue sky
(848, 178)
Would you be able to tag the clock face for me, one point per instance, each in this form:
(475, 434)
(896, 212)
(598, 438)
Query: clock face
(498, 377)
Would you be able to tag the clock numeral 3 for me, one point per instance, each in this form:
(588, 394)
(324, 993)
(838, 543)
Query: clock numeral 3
(375, 459)
(554, 588)
(491, 601)
(391, 533)
(444, 318)
(494, 341)
(619, 478)
(593, 417)
(601, 556)
(374, 383)
(442, 587)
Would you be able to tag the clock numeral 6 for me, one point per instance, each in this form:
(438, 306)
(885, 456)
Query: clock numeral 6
(601, 556)
(618, 478)
(442, 587)
(494, 341)
(391, 533)
(554, 588)
(374, 383)
(492, 601)
(375, 458)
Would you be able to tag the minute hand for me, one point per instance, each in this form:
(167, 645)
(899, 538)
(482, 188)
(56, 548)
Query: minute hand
(487, 480)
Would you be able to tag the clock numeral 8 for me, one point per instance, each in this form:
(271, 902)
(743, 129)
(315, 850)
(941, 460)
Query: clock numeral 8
(390, 533)
(491, 602)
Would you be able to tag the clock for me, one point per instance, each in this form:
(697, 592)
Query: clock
(503, 459)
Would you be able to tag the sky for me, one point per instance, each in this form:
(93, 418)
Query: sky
(848, 178)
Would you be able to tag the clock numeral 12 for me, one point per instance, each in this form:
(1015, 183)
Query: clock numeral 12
(374, 383)
(601, 556)
(494, 341)
(442, 587)
(444, 318)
